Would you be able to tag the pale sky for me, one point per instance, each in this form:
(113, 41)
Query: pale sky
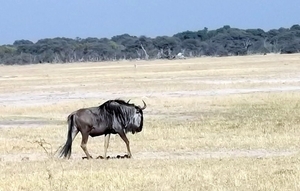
(38, 19)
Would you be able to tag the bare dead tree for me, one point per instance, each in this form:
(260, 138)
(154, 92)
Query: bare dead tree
(169, 52)
(160, 53)
(145, 52)
(267, 45)
(276, 47)
(74, 56)
(247, 43)
(57, 59)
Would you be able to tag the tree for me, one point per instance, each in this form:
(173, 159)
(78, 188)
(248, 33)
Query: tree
(219, 42)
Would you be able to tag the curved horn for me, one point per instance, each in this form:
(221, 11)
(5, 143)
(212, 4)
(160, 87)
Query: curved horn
(144, 107)
(128, 101)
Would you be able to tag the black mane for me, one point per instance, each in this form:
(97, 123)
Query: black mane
(115, 103)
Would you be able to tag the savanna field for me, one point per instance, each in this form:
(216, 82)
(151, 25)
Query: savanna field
(227, 123)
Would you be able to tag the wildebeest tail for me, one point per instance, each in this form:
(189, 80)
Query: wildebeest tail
(67, 148)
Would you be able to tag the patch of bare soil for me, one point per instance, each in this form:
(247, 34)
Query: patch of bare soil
(248, 80)
(26, 123)
(21, 99)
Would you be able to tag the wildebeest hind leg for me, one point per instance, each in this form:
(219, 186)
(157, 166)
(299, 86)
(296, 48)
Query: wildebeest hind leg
(84, 140)
(123, 136)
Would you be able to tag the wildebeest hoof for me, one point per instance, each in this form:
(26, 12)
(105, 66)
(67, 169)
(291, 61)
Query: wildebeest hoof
(100, 157)
(127, 156)
(87, 158)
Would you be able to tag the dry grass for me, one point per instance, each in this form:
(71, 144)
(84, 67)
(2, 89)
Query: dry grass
(202, 174)
(200, 141)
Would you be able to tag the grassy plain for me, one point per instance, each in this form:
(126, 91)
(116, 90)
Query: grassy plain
(211, 124)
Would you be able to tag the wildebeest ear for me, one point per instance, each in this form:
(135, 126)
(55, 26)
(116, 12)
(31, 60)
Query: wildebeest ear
(128, 101)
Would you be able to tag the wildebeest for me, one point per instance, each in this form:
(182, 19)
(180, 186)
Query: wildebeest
(112, 117)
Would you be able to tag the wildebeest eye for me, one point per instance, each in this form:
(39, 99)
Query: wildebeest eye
(137, 110)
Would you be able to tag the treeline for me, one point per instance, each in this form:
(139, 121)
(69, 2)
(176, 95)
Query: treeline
(224, 41)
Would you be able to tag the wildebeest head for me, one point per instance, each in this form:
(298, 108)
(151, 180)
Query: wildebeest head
(137, 119)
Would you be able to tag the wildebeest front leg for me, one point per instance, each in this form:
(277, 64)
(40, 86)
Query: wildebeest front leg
(84, 140)
(123, 136)
(106, 143)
